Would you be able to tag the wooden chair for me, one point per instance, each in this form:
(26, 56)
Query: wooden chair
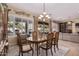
(48, 44)
(34, 35)
(23, 47)
(23, 36)
(55, 43)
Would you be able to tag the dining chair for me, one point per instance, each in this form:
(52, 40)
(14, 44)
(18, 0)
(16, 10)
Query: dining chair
(48, 44)
(23, 47)
(34, 35)
(55, 42)
(24, 38)
(39, 34)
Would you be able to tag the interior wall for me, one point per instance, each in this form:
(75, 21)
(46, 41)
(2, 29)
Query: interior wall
(55, 26)
(74, 28)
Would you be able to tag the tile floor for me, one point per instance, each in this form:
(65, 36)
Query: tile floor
(74, 47)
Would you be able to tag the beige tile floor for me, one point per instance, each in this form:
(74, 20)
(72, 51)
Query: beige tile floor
(14, 51)
(74, 47)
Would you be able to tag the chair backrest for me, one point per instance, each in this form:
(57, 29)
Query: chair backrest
(34, 35)
(56, 37)
(52, 35)
(23, 38)
(19, 39)
(39, 34)
(49, 39)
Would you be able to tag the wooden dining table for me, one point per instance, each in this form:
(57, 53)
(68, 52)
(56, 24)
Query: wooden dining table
(36, 42)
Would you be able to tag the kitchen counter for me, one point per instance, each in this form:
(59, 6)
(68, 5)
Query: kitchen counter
(69, 37)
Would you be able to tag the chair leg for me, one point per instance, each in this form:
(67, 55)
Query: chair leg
(46, 53)
(51, 52)
(54, 48)
(32, 52)
(39, 50)
(57, 46)
(21, 53)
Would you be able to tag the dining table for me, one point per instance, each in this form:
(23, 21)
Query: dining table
(37, 42)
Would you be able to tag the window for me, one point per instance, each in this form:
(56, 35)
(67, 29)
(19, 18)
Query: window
(20, 25)
(10, 26)
(30, 27)
(23, 25)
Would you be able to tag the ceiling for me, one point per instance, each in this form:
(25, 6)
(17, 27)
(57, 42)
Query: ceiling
(57, 11)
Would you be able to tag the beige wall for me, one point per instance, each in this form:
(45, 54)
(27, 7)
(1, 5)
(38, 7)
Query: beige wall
(55, 26)
(74, 28)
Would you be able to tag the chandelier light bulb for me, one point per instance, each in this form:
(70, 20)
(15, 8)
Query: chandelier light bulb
(39, 28)
(69, 22)
(44, 13)
(41, 15)
(47, 15)
(43, 19)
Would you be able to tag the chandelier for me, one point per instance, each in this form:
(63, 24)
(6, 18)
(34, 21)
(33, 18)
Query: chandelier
(44, 15)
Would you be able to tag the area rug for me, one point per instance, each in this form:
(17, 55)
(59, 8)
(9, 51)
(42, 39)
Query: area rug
(13, 51)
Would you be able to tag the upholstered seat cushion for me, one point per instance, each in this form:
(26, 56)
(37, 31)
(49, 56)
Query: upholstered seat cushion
(26, 47)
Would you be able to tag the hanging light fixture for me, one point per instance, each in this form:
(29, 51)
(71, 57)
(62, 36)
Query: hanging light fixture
(70, 22)
(44, 15)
